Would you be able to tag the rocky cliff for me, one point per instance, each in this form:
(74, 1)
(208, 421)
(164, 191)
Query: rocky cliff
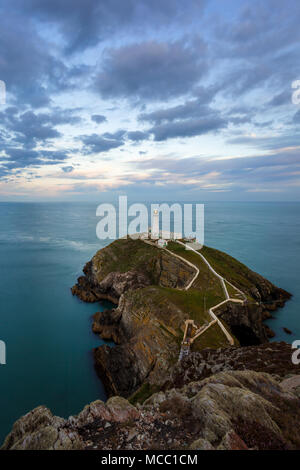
(233, 410)
(126, 265)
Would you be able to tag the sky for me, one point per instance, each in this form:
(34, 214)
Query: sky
(153, 99)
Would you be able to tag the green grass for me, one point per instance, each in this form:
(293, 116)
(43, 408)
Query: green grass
(233, 293)
(206, 281)
(124, 255)
(230, 268)
(212, 338)
(144, 392)
(190, 302)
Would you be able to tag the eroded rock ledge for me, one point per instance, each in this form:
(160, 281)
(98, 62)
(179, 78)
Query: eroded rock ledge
(234, 410)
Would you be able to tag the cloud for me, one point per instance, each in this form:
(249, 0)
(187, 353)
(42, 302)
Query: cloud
(192, 108)
(84, 24)
(277, 168)
(117, 135)
(281, 99)
(19, 158)
(30, 128)
(296, 118)
(29, 68)
(97, 144)
(160, 78)
(67, 169)
(137, 136)
(187, 128)
(260, 28)
(151, 70)
(98, 118)
(271, 141)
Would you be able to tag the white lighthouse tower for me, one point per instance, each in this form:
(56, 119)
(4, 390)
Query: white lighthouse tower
(155, 225)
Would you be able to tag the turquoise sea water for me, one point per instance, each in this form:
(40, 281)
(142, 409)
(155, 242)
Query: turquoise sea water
(43, 248)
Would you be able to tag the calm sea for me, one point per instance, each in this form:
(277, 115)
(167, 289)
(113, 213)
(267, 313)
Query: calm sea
(43, 248)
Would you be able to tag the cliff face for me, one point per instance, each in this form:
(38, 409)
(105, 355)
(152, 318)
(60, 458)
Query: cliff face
(245, 322)
(147, 325)
(234, 410)
(148, 331)
(127, 265)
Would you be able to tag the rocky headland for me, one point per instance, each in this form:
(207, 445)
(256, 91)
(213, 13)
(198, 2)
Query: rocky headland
(147, 285)
(220, 396)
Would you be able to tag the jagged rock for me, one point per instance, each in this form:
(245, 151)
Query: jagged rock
(121, 410)
(266, 315)
(201, 444)
(274, 358)
(269, 332)
(40, 430)
(231, 410)
(91, 412)
(287, 331)
(231, 441)
(292, 385)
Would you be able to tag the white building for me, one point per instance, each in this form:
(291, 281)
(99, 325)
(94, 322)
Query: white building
(155, 225)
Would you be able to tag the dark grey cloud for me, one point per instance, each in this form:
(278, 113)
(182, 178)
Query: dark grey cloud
(260, 28)
(30, 128)
(117, 135)
(85, 23)
(281, 98)
(151, 70)
(17, 159)
(98, 118)
(137, 136)
(29, 68)
(97, 144)
(190, 109)
(187, 128)
(24, 131)
(67, 169)
(27, 129)
(260, 42)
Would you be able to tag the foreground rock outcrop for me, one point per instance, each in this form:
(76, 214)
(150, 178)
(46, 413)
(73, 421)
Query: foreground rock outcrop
(232, 410)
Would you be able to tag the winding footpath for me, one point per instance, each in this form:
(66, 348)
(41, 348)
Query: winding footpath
(188, 341)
